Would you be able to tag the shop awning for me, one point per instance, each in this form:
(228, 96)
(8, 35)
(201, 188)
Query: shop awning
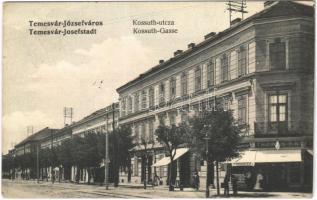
(166, 160)
(249, 158)
(278, 156)
(246, 158)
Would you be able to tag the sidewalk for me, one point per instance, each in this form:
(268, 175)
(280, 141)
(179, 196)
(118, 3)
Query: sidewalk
(137, 191)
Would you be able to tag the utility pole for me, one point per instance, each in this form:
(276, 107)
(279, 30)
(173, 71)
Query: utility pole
(107, 149)
(37, 163)
(106, 162)
(207, 161)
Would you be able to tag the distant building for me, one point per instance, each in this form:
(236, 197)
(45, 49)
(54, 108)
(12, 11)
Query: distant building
(262, 68)
(51, 142)
(29, 147)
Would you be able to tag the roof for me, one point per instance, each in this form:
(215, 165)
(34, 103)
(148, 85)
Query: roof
(64, 131)
(280, 9)
(40, 135)
(96, 114)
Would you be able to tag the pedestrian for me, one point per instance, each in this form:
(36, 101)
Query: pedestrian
(259, 181)
(226, 185)
(53, 176)
(234, 181)
(156, 180)
(196, 181)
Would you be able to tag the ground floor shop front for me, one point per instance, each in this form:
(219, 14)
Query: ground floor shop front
(273, 170)
(254, 169)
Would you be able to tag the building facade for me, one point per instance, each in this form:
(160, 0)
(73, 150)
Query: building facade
(262, 69)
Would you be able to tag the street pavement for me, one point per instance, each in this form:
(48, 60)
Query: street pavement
(32, 189)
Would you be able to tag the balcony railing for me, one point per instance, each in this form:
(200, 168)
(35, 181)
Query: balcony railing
(263, 129)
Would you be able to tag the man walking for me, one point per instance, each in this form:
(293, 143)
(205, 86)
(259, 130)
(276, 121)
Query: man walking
(196, 181)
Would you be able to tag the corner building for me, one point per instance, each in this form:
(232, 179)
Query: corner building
(262, 69)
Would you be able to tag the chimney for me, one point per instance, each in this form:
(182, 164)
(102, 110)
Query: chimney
(235, 21)
(269, 3)
(209, 35)
(161, 61)
(176, 53)
(191, 45)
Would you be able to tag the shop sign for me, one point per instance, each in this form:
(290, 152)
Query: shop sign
(238, 164)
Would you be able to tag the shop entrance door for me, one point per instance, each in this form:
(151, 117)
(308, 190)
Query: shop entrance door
(276, 174)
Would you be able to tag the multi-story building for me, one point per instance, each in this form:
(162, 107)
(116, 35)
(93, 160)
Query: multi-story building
(262, 69)
(100, 121)
(30, 145)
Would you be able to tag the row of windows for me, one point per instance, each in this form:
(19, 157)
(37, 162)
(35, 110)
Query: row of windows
(148, 96)
(140, 130)
(144, 131)
(238, 59)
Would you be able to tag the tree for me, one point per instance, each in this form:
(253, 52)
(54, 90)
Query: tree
(146, 144)
(223, 134)
(85, 154)
(172, 137)
(120, 142)
(64, 157)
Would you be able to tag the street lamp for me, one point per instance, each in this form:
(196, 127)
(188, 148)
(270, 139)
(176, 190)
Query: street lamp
(207, 160)
(106, 161)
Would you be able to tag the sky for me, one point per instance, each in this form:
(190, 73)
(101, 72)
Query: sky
(44, 74)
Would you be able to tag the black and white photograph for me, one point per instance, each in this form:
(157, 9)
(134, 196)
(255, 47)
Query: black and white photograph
(158, 99)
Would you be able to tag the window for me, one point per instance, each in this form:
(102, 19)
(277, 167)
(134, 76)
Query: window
(242, 61)
(197, 79)
(162, 93)
(172, 119)
(277, 55)
(129, 105)
(136, 133)
(172, 88)
(143, 134)
(224, 68)
(162, 120)
(210, 73)
(210, 104)
(136, 102)
(123, 106)
(184, 117)
(278, 112)
(151, 97)
(135, 166)
(224, 103)
(184, 83)
(143, 99)
(242, 110)
(151, 131)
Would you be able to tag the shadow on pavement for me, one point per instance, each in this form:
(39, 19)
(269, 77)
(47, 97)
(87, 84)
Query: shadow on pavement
(247, 195)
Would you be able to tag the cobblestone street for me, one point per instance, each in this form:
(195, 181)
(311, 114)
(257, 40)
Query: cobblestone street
(30, 189)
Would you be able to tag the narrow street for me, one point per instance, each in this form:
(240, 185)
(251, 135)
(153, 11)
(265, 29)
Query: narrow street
(30, 189)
